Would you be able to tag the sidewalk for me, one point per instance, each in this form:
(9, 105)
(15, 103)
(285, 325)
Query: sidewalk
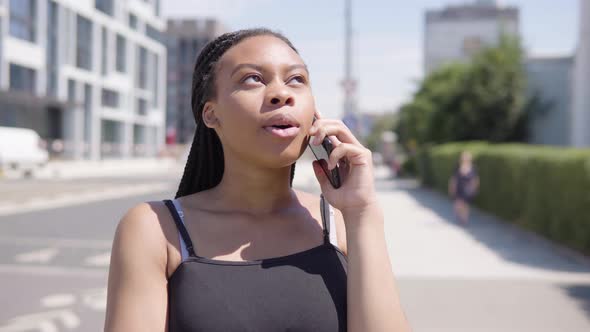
(64, 183)
(76, 169)
(488, 276)
(420, 224)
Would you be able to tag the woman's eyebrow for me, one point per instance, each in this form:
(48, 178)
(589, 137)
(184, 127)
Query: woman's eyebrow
(298, 66)
(245, 65)
(260, 68)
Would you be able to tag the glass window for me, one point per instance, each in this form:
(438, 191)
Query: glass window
(158, 9)
(51, 58)
(104, 55)
(142, 68)
(111, 138)
(108, 131)
(68, 40)
(138, 140)
(110, 98)
(121, 54)
(84, 43)
(87, 115)
(133, 21)
(141, 106)
(155, 76)
(22, 78)
(71, 91)
(153, 33)
(105, 6)
(22, 19)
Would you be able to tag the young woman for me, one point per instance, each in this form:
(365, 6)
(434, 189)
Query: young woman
(239, 249)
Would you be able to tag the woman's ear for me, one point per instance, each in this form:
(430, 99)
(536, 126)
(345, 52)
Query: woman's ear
(209, 118)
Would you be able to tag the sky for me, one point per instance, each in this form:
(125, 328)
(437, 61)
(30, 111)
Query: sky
(388, 38)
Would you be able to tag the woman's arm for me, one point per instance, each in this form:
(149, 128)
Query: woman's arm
(373, 299)
(373, 302)
(137, 286)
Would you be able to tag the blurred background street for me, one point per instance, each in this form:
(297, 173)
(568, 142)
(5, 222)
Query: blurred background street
(490, 276)
(476, 111)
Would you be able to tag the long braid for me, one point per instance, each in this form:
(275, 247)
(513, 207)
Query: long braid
(205, 164)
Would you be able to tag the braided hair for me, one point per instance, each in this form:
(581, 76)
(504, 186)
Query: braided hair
(205, 164)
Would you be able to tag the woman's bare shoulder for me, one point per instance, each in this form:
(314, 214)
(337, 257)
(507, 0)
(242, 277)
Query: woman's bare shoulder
(137, 271)
(141, 230)
(145, 216)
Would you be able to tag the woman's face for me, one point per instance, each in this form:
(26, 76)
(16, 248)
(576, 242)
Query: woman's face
(259, 78)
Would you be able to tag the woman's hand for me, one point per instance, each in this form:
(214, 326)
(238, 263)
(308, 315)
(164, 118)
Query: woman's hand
(357, 192)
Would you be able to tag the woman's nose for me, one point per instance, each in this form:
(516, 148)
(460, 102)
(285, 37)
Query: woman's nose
(279, 97)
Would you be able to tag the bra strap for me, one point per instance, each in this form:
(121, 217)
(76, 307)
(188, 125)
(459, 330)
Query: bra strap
(180, 225)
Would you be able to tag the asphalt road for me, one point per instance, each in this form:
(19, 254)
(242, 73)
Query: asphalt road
(54, 262)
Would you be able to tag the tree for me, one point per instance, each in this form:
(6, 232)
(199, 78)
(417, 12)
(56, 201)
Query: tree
(481, 100)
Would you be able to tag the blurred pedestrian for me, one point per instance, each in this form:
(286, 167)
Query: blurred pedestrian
(463, 186)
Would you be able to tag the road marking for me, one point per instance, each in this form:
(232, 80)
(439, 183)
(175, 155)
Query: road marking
(42, 321)
(96, 298)
(58, 300)
(44, 203)
(37, 256)
(99, 260)
(54, 271)
(56, 242)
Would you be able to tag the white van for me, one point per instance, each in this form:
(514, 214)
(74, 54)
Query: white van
(21, 149)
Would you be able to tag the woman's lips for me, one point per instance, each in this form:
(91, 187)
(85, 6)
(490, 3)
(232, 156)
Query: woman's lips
(283, 133)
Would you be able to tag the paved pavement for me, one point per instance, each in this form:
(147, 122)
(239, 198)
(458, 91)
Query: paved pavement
(489, 276)
(76, 182)
(84, 169)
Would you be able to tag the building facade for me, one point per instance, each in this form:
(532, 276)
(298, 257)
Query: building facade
(550, 79)
(185, 38)
(94, 69)
(455, 33)
(580, 133)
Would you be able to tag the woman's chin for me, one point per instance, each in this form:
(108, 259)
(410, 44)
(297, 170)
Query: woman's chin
(282, 159)
(283, 153)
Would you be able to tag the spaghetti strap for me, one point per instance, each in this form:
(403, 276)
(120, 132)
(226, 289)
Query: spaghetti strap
(178, 220)
(325, 210)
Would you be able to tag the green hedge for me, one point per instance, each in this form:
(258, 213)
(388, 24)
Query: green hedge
(408, 167)
(544, 189)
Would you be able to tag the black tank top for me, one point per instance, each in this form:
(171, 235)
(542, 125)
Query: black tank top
(305, 291)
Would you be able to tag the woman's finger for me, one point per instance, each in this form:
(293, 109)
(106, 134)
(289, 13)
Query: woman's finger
(335, 141)
(328, 127)
(318, 115)
(354, 154)
(319, 133)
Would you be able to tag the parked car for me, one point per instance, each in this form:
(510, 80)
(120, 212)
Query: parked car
(21, 149)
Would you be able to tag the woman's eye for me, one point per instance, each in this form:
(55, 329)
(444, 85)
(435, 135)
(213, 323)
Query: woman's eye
(298, 79)
(252, 79)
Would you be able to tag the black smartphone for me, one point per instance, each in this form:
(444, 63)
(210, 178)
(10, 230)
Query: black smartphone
(322, 154)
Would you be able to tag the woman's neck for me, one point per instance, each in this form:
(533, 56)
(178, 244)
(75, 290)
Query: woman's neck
(254, 190)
